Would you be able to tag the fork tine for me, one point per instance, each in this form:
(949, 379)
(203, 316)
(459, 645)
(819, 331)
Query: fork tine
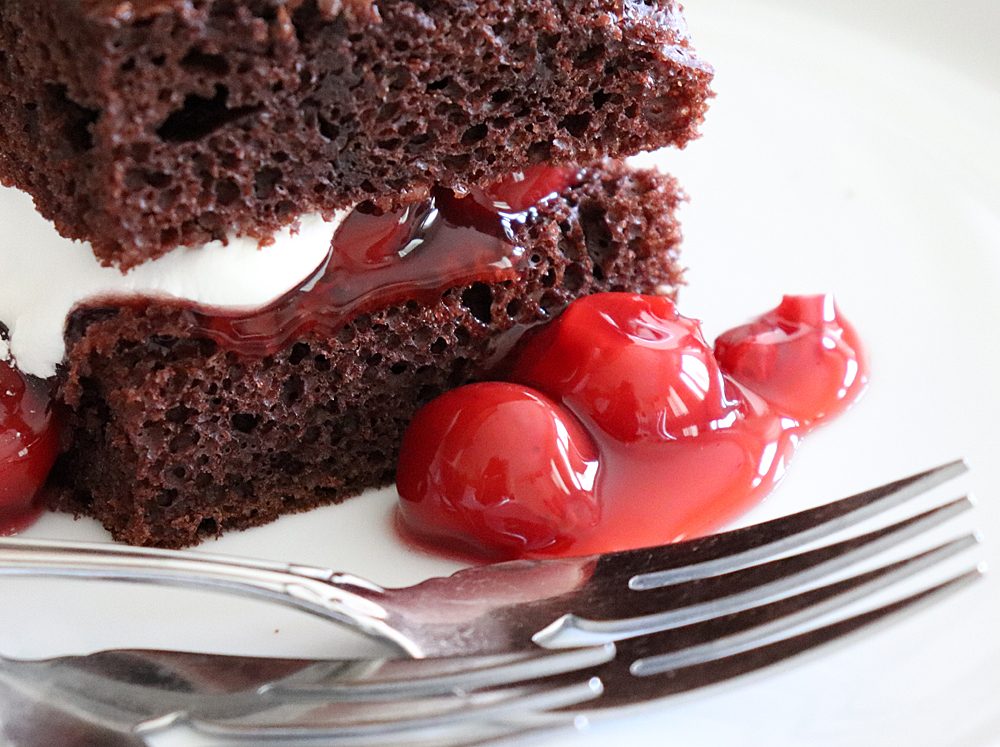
(143, 685)
(719, 553)
(669, 607)
(644, 679)
(145, 693)
(454, 721)
(776, 575)
(394, 679)
(702, 641)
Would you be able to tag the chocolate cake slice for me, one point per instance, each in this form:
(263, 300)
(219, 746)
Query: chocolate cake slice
(144, 125)
(179, 428)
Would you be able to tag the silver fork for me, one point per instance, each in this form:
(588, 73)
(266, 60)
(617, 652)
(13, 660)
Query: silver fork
(521, 605)
(129, 698)
(126, 698)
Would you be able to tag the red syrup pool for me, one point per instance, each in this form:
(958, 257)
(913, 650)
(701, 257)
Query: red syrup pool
(619, 427)
(29, 443)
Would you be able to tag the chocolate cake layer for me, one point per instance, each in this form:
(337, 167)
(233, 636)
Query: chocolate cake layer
(143, 125)
(173, 438)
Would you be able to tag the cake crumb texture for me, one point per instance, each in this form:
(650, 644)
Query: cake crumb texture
(146, 125)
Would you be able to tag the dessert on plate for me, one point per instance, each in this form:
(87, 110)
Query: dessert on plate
(304, 220)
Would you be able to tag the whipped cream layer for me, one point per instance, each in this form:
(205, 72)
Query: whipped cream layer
(44, 276)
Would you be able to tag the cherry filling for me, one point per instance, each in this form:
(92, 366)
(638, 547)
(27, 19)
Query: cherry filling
(29, 443)
(636, 433)
(378, 258)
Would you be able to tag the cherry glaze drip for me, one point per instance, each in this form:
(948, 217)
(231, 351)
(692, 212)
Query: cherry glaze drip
(684, 442)
(29, 443)
(379, 258)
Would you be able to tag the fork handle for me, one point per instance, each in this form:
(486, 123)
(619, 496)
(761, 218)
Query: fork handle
(339, 597)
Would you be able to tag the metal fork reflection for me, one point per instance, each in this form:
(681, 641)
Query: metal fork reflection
(688, 626)
(132, 698)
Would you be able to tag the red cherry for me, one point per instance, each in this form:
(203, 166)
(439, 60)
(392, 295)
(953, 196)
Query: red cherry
(519, 192)
(630, 366)
(682, 447)
(497, 469)
(803, 358)
(29, 444)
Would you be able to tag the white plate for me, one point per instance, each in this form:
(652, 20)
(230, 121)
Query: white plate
(852, 148)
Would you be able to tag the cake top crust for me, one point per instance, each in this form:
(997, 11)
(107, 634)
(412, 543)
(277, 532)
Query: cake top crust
(118, 12)
(142, 126)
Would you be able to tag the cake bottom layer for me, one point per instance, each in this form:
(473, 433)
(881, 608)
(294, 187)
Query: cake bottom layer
(172, 437)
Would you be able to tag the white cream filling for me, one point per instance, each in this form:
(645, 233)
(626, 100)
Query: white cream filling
(44, 276)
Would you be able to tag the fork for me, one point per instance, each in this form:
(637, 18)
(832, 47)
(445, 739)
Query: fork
(129, 698)
(124, 698)
(520, 605)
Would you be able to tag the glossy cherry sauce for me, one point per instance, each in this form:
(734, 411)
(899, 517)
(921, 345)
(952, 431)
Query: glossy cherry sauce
(378, 258)
(29, 443)
(620, 428)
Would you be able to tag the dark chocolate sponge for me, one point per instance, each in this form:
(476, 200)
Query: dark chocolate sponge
(149, 124)
(174, 439)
